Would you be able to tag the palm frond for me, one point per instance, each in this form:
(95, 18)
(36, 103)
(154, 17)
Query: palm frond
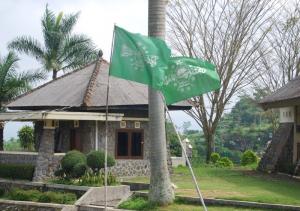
(68, 23)
(27, 45)
(77, 50)
(8, 65)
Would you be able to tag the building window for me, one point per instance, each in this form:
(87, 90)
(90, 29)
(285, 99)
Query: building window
(129, 144)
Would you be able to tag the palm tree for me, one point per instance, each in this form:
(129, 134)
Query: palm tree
(62, 50)
(13, 83)
(161, 191)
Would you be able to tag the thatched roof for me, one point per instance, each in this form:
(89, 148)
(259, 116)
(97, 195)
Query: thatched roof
(288, 95)
(85, 89)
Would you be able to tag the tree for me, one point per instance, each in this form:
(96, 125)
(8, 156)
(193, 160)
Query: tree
(226, 33)
(13, 83)
(26, 137)
(280, 55)
(62, 50)
(160, 191)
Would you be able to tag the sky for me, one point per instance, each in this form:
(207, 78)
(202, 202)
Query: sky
(97, 19)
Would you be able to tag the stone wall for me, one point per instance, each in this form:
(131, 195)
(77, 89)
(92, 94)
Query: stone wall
(9, 205)
(27, 158)
(131, 168)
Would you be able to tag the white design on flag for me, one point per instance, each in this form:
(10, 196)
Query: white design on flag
(151, 60)
(136, 57)
(184, 75)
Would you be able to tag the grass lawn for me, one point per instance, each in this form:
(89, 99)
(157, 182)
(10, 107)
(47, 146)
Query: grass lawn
(237, 184)
(141, 204)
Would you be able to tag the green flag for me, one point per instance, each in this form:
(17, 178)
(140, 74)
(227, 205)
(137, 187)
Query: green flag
(188, 77)
(139, 58)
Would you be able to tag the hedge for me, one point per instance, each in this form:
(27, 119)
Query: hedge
(16, 171)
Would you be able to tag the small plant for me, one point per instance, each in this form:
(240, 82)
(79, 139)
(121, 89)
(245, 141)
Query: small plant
(26, 137)
(96, 160)
(214, 157)
(38, 196)
(248, 158)
(224, 162)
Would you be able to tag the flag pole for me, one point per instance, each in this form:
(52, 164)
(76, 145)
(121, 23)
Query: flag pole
(106, 124)
(186, 157)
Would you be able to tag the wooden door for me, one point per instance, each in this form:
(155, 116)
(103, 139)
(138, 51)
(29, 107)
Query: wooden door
(75, 143)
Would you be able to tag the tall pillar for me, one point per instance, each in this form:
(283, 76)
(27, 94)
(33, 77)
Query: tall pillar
(46, 153)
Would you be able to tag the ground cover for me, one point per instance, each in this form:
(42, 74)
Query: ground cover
(138, 203)
(39, 196)
(237, 183)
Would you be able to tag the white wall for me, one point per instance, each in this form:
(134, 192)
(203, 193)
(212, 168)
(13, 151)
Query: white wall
(287, 114)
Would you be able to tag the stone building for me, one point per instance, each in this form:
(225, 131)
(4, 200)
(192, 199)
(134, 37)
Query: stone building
(283, 152)
(69, 114)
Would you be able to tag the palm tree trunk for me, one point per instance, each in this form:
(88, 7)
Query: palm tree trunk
(160, 191)
(1, 136)
(54, 74)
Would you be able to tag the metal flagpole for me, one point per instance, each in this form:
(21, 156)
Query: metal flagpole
(106, 125)
(186, 157)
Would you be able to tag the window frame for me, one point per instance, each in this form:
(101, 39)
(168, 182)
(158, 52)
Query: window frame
(129, 132)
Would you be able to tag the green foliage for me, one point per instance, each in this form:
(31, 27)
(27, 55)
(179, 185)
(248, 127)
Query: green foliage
(96, 160)
(224, 162)
(38, 196)
(12, 144)
(214, 157)
(26, 137)
(70, 160)
(248, 157)
(234, 155)
(172, 139)
(62, 50)
(97, 179)
(88, 179)
(16, 171)
(137, 203)
(79, 170)
(2, 192)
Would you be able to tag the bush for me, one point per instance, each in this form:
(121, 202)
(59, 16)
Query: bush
(38, 196)
(214, 157)
(96, 159)
(248, 157)
(70, 160)
(224, 162)
(2, 192)
(16, 171)
(23, 195)
(79, 170)
(26, 137)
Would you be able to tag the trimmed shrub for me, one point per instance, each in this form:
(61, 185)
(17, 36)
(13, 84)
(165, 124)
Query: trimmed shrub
(16, 171)
(79, 170)
(249, 157)
(224, 162)
(69, 161)
(214, 157)
(96, 159)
